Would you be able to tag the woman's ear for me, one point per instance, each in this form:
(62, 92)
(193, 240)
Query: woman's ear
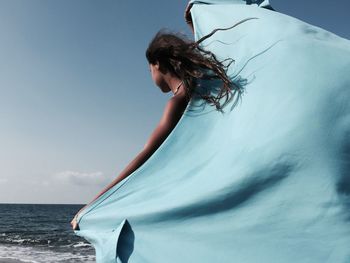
(157, 65)
(160, 67)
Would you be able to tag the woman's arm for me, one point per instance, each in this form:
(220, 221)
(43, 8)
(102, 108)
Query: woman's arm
(171, 115)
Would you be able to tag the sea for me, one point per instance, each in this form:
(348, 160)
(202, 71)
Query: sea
(41, 233)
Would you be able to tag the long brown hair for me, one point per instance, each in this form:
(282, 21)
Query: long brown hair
(190, 62)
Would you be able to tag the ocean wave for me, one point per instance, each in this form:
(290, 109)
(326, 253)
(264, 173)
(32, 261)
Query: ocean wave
(82, 244)
(16, 239)
(37, 255)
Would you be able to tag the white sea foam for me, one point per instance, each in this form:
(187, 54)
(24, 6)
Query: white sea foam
(82, 244)
(36, 255)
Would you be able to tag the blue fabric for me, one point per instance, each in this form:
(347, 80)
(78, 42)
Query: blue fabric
(260, 3)
(267, 181)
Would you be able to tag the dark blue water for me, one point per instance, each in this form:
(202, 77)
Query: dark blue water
(41, 233)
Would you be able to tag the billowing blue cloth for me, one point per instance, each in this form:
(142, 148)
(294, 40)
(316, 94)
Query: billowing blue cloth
(265, 181)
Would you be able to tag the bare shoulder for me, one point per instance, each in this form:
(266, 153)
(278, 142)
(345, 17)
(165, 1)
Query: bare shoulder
(171, 116)
(174, 109)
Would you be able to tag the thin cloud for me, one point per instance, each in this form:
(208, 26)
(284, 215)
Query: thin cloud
(82, 178)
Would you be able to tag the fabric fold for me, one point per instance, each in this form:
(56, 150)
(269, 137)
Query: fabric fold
(105, 242)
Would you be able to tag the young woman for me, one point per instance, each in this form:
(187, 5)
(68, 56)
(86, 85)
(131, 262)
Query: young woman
(176, 64)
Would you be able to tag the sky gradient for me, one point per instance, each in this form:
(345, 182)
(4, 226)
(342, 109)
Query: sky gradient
(77, 101)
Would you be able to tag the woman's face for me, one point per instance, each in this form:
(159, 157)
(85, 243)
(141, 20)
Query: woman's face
(158, 77)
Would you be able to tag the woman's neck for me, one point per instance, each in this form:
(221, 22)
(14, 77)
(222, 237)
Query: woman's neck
(174, 84)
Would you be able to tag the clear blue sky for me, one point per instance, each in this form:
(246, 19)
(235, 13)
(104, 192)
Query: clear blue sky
(77, 102)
